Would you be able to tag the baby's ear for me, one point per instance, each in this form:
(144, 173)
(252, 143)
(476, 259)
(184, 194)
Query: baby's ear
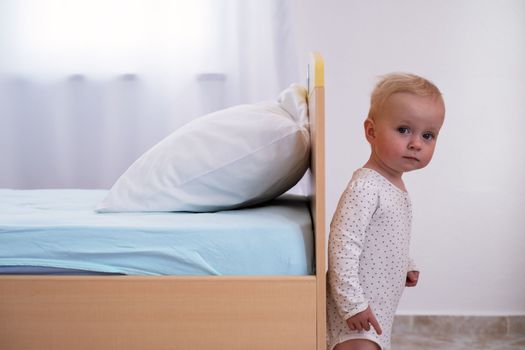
(370, 131)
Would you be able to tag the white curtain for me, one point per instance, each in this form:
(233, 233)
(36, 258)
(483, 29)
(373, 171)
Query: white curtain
(87, 86)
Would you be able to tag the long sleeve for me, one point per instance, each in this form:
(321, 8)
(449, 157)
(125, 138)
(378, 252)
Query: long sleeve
(412, 265)
(347, 236)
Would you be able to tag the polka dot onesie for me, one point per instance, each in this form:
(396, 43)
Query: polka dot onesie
(367, 256)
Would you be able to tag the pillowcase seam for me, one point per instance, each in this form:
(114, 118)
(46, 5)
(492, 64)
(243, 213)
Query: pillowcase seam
(246, 155)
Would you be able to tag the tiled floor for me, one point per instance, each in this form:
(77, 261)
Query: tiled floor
(457, 342)
(458, 333)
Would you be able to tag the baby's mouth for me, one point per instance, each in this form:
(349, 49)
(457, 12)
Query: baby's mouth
(411, 158)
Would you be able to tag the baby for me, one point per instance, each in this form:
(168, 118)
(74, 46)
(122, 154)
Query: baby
(368, 249)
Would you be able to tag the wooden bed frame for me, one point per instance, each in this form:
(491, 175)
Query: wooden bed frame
(177, 312)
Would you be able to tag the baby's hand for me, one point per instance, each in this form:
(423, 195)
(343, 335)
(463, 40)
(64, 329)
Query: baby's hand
(363, 320)
(412, 277)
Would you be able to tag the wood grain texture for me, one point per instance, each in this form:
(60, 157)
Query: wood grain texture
(316, 111)
(157, 312)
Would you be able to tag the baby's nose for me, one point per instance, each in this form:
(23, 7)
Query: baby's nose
(414, 144)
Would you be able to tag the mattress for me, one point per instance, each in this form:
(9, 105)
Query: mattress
(58, 231)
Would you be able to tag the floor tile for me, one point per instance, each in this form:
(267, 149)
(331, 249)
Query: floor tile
(458, 333)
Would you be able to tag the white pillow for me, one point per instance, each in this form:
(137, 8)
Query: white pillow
(235, 157)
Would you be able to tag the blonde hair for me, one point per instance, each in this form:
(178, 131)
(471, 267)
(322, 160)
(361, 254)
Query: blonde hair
(400, 82)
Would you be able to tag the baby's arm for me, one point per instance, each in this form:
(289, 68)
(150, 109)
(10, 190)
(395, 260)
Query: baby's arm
(347, 236)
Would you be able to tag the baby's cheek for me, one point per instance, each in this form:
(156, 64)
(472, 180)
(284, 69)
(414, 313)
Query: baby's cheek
(429, 153)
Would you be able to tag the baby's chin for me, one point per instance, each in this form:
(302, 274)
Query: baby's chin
(405, 168)
(415, 167)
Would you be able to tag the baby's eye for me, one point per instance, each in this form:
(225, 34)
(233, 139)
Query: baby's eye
(428, 136)
(403, 130)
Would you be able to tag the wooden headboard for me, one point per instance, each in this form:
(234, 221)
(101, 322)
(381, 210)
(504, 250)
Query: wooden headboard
(317, 168)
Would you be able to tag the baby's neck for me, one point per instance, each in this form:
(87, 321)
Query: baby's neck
(391, 175)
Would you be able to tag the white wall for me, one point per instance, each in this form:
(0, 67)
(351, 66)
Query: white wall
(469, 204)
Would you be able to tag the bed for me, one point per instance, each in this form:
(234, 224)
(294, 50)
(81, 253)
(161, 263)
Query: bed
(189, 311)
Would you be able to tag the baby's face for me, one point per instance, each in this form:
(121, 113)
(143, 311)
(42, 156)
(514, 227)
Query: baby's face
(406, 131)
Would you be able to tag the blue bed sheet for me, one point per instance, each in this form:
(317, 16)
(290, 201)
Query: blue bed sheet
(59, 230)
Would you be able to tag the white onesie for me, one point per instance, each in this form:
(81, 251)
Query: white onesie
(368, 256)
